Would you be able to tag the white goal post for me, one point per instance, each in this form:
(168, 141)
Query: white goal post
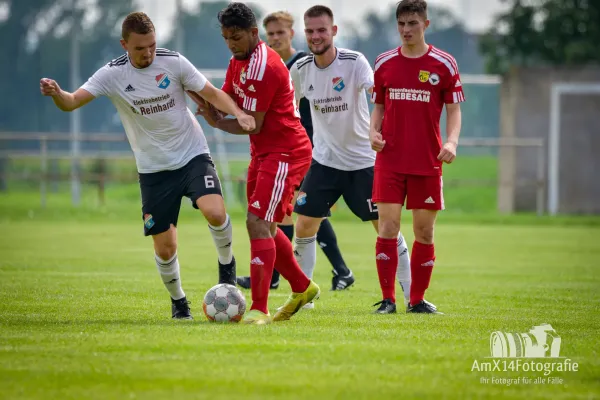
(559, 89)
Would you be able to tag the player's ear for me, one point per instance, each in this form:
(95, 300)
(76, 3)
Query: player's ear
(124, 44)
(292, 33)
(427, 23)
(334, 29)
(254, 32)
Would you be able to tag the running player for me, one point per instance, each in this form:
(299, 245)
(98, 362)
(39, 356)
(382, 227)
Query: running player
(280, 157)
(279, 28)
(147, 86)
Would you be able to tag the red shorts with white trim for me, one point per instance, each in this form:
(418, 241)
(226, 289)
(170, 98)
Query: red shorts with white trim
(416, 191)
(271, 185)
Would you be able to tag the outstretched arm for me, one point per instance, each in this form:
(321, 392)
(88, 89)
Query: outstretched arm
(64, 100)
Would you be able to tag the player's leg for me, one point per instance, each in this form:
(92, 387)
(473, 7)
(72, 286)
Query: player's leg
(203, 187)
(389, 192)
(287, 227)
(320, 190)
(327, 240)
(425, 199)
(304, 290)
(161, 200)
(270, 190)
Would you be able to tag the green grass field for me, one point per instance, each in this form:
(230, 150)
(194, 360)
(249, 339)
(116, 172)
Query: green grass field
(85, 315)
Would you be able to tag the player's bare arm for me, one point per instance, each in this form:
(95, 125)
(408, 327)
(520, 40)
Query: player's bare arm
(377, 142)
(222, 101)
(232, 125)
(453, 125)
(64, 100)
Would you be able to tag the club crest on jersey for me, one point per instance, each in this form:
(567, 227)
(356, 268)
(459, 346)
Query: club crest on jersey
(434, 79)
(162, 81)
(338, 84)
(424, 76)
(243, 75)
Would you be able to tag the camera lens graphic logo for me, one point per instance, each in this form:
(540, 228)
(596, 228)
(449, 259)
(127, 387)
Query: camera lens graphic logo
(541, 341)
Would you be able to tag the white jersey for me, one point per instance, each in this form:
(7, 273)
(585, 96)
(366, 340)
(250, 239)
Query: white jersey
(339, 108)
(164, 134)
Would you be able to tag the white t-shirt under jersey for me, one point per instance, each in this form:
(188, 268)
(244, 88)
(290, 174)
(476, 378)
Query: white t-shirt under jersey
(339, 108)
(163, 132)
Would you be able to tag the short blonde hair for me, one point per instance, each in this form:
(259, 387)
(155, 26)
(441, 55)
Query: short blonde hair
(282, 16)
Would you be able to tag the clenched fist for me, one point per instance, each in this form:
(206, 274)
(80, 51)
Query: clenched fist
(49, 87)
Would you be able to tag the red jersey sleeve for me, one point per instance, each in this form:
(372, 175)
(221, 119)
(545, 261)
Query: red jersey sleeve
(378, 96)
(262, 84)
(228, 83)
(453, 91)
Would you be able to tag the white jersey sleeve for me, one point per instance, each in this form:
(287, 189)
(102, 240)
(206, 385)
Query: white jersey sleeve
(100, 84)
(297, 79)
(364, 74)
(191, 78)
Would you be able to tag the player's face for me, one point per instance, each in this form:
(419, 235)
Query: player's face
(240, 42)
(412, 28)
(279, 36)
(141, 48)
(319, 33)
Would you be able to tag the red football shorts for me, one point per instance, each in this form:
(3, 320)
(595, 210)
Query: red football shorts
(271, 185)
(419, 191)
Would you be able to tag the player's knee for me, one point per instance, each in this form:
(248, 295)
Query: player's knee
(423, 234)
(257, 228)
(215, 217)
(307, 226)
(165, 250)
(388, 228)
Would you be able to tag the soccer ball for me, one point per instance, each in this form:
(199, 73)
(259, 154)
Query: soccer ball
(224, 303)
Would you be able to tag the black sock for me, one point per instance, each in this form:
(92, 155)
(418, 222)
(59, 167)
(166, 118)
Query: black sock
(328, 243)
(227, 273)
(288, 230)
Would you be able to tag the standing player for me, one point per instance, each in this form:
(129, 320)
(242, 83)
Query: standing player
(279, 30)
(335, 82)
(147, 85)
(412, 84)
(281, 154)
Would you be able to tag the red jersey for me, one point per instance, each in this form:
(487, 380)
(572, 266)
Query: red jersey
(262, 83)
(413, 92)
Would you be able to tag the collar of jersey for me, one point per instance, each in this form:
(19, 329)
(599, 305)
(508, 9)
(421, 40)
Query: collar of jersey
(337, 54)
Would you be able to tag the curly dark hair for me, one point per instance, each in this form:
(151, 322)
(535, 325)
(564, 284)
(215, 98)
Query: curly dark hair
(237, 15)
(418, 7)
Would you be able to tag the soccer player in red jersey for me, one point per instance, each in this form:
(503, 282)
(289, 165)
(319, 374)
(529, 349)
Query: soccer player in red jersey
(259, 81)
(412, 85)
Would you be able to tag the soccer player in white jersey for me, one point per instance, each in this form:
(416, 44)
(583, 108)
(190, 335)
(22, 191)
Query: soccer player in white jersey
(147, 86)
(335, 81)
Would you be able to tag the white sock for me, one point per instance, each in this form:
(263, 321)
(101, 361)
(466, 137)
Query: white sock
(223, 237)
(306, 254)
(169, 272)
(403, 270)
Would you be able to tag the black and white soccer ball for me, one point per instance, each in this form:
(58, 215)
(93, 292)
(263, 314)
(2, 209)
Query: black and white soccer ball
(224, 303)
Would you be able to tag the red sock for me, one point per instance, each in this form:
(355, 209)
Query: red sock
(262, 255)
(286, 264)
(386, 258)
(422, 259)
